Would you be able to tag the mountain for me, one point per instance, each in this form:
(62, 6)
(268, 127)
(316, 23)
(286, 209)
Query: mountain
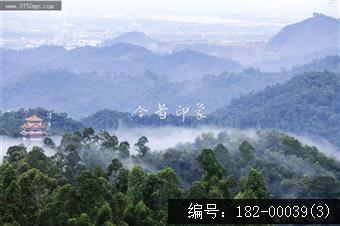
(312, 34)
(306, 104)
(275, 62)
(329, 63)
(293, 45)
(242, 52)
(84, 93)
(188, 64)
(119, 59)
(135, 38)
(301, 43)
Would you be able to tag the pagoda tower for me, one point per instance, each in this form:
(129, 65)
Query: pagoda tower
(34, 127)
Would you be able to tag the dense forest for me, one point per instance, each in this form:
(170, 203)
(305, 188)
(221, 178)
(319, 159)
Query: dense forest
(95, 179)
(306, 104)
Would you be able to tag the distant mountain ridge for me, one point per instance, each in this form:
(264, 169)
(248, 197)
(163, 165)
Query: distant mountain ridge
(84, 93)
(130, 53)
(134, 38)
(312, 34)
(293, 45)
(119, 58)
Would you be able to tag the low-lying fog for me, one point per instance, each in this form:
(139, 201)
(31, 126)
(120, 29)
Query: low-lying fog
(165, 137)
(7, 142)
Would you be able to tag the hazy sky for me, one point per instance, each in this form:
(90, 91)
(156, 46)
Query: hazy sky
(198, 8)
(194, 9)
(92, 21)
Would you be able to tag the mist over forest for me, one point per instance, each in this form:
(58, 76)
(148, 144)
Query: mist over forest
(136, 111)
(163, 138)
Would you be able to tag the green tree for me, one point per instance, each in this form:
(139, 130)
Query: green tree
(122, 180)
(141, 145)
(34, 186)
(10, 195)
(104, 215)
(324, 187)
(198, 190)
(120, 202)
(108, 141)
(255, 187)
(213, 183)
(223, 155)
(160, 187)
(65, 205)
(92, 191)
(137, 214)
(247, 152)
(15, 153)
(209, 164)
(73, 157)
(82, 220)
(70, 138)
(137, 184)
(124, 149)
(49, 142)
(114, 166)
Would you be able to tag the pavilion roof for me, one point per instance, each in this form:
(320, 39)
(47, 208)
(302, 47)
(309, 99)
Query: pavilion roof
(34, 118)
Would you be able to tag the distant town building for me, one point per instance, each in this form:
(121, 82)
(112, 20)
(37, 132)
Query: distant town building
(317, 14)
(35, 127)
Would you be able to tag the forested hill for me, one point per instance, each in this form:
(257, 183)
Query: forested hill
(330, 63)
(306, 104)
(11, 121)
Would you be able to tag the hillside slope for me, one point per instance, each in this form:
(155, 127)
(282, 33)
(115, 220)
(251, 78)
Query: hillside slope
(312, 34)
(329, 63)
(306, 104)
